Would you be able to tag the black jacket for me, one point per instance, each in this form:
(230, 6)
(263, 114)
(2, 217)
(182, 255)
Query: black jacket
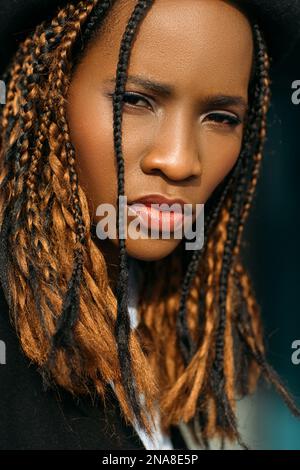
(32, 418)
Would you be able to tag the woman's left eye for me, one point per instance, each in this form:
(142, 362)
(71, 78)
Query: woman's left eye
(223, 119)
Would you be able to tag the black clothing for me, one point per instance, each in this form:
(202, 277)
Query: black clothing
(32, 418)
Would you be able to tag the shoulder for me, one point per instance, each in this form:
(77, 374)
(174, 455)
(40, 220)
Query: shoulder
(33, 417)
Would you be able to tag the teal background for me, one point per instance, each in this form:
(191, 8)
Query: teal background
(273, 257)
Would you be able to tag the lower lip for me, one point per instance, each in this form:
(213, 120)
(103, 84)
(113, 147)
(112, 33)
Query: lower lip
(159, 220)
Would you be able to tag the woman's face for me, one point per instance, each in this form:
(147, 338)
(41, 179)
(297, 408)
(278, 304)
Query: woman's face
(184, 112)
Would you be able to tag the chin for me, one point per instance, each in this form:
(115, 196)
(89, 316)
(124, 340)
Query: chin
(150, 250)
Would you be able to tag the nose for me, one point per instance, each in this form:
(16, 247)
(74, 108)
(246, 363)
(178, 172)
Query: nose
(175, 151)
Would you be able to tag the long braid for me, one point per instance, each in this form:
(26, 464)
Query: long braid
(213, 206)
(242, 168)
(70, 309)
(261, 110)
(240, 200)
(21, 92)
(122, 328)
(245, 363)
(263, 101)
(226, 416)
(186, 344)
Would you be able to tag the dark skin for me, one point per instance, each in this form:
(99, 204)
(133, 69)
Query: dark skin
(180, 144)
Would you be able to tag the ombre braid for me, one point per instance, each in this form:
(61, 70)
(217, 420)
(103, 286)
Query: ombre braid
(70, 309)
(123, 328)
(239, 170)
(261, 87)
(241, 199)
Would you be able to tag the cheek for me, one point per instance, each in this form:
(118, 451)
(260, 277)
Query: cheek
(91, 133)
(219, 154)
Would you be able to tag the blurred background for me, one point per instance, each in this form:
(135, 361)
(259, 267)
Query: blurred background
(273, 257)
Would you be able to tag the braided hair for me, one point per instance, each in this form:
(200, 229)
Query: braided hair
(196, 329)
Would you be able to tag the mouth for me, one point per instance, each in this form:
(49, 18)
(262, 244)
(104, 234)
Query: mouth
(160, 213)
(159, 199)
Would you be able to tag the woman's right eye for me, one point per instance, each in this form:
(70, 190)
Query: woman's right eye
(132, 99)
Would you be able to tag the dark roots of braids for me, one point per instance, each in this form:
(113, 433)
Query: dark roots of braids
(198, 326)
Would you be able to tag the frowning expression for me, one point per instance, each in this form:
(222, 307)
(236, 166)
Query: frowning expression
(185, 106)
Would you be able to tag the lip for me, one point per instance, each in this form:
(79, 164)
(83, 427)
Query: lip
(157, 199)
(171, 217)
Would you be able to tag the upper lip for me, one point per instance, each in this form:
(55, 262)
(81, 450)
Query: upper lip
(158, 199)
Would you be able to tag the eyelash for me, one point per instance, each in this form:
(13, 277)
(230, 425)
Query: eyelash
(132, 95)
(219, 118)
(224, 119)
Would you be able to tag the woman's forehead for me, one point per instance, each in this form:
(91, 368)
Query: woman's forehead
(208, 42)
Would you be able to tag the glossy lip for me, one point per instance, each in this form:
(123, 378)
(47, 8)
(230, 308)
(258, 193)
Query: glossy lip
(158, 219)
(157, 199)
(150, 215)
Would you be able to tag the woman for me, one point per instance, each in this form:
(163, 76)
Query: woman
(73, 138)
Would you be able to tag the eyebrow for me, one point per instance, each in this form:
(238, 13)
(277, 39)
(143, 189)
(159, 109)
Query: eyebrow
(216, 101)
(162, 89)
(166, 90)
